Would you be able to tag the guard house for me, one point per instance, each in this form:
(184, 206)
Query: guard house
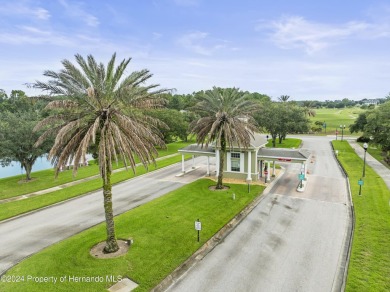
(250, 163)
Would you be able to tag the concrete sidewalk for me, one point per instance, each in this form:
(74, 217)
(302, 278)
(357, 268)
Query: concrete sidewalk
(72, 183)
(378, 167)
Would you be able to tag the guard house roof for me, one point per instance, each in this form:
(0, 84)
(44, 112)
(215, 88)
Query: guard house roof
(258, 140)
(198, 150)
(282, 154)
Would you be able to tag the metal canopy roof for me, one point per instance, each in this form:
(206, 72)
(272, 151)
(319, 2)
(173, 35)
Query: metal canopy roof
(196, 149)
(282, 154)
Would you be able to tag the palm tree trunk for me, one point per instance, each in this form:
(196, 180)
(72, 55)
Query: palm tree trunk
(221, 163)
(111, 243)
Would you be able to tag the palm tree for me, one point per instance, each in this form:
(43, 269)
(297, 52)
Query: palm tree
(98, 105)
(226, 119)
(308, 108)
(283, 98)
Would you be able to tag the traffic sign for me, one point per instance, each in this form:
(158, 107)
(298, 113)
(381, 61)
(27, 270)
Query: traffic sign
(301, 176)
(360, 182)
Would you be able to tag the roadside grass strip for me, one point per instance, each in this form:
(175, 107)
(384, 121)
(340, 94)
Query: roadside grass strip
(164, 237)
(369, 267)
(44, 179)
(286, 143)
(11, 209)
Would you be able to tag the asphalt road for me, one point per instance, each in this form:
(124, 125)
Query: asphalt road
(28, 234)
(290, 242)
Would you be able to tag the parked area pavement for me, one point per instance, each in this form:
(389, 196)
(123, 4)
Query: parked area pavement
(25, 235)
(378, 167)
(291, 241)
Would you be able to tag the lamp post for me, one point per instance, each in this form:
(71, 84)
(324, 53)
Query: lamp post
(342, 131)
(365, 146)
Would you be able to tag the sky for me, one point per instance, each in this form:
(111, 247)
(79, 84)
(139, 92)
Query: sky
(309, 50)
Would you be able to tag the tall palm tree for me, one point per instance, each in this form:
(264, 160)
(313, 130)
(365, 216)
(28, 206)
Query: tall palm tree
(284, 98)
(226, 119)
(98, 105)
(308, 108)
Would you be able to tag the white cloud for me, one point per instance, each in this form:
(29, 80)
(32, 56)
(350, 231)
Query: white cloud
(75, 10)
(297, 32)
(200, 43)
(22, 9)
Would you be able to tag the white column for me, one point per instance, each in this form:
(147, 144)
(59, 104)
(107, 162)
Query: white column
(273, 168)
(217, 161)
(269, 172)
(193, 161)
(208, 165)
(182, 163)
(249, 177)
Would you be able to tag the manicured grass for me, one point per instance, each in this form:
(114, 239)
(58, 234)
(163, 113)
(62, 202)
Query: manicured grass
(163, 233)
(286, 143)
(369, 268)
(336, 117)
(376, 152)
(12, 186)
(15, 208)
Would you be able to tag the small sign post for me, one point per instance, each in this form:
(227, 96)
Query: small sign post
(360, 183)
(198, 227)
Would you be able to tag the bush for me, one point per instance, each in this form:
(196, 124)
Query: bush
(363, 139)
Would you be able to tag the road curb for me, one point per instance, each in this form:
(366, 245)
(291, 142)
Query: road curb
(341, 278)
(180, 271)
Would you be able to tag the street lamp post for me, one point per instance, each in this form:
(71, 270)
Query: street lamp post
(365, 146)
(342, 131)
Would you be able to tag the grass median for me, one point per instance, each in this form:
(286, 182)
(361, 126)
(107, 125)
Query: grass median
(286, 143)
(369, 267)
(16, 186)
(15, 208)
(163, 234)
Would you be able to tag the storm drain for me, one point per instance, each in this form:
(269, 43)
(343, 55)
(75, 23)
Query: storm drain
(125, 285)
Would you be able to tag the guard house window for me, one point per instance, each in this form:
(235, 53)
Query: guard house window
(235, 161)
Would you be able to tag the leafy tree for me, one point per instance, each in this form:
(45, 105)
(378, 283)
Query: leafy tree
(3, 95)
(378, 126)
(101, 106)
(17, 139)
(359, 123)
(280, 120)
(177, 125)
(226, 119)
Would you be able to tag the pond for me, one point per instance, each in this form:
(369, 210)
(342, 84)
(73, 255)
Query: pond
(40, 164)
(15, 168)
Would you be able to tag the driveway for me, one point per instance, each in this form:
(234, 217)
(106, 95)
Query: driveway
(290, 242)
(28, 234)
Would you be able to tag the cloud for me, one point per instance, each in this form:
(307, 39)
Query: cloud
(200, 43)
(24, 10)
(75, 10)
(297, 32)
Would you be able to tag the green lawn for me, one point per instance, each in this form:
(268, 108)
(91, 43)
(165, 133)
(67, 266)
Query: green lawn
(163, 233)
(12, 186)
(15, 208)
(369, 268)
(376, 152)
(286, 143)
(336, 117)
